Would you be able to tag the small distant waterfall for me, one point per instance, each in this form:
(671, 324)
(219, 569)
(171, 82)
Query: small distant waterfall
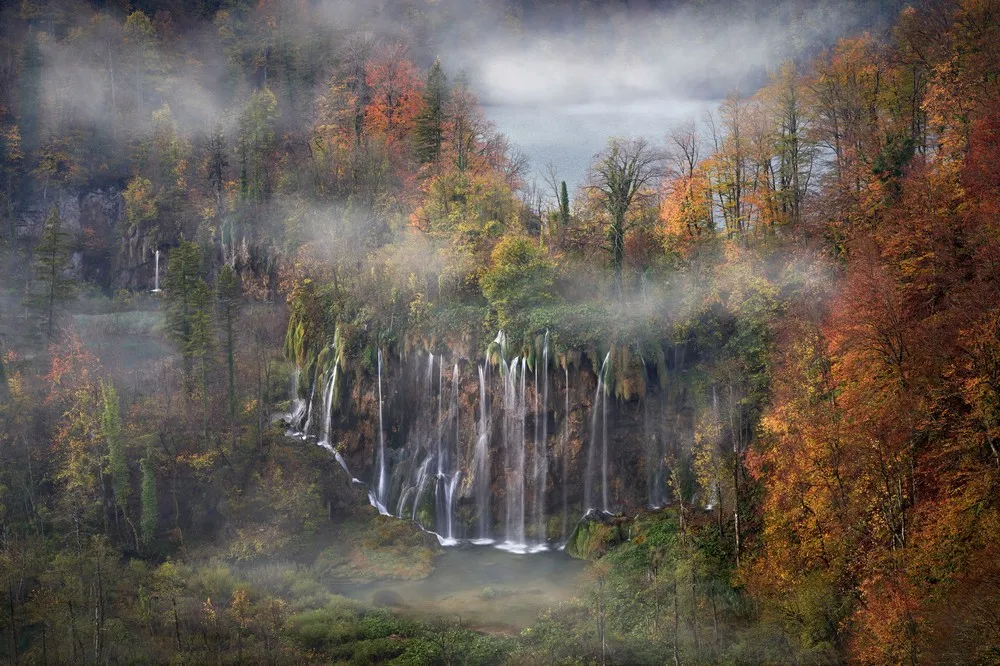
(156, 273)
(592, 450)
(382, 493)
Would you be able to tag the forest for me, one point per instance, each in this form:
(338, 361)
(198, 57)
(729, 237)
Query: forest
(304, 360)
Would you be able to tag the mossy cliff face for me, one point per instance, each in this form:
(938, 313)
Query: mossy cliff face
(432, 402)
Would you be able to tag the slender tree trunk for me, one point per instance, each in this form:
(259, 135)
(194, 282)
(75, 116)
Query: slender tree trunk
(694, 613)
(230, 363)
(13, 624)
(177, 622)
(618, 251)
(677, 636)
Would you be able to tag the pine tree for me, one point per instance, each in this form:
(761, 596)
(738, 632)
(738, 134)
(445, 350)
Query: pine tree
(52, 255)
(564, 204)
(429, 129)
(228, 294)
(187, 306)
(149, 512)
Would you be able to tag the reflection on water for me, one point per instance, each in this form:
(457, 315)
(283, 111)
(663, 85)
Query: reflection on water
(489, 588)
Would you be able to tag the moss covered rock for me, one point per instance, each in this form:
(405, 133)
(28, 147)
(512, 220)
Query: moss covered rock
(595, 534)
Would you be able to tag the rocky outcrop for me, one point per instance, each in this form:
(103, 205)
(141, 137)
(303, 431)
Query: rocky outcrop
(93, 218)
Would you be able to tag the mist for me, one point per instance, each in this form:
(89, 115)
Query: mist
(529, 331)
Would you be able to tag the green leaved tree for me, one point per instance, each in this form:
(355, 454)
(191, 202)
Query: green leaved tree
(148, 510)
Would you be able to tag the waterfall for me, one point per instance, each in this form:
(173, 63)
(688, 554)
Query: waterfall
(605, 506)
(381, 493)
(448, 476)
(440, 425)
(298, 405)
(309, 410)
(328, 392)
(507, 374)
(418, 489)
(459, 488)
(541, 445)
(522, 412)
(565, 461)
(156, 273)
(592, 450)
(481, 460)
(514, 443)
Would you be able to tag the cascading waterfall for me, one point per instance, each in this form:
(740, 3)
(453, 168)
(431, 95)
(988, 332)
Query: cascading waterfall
(605, 505)
(382, 494)
(541, 445)
(510, 429)
(514, 379)
(309, 410)
(592, 450)
(448, 474)
(522, 410)
(328, 392)
(460, 488)
(298, 405)
(481, 460)
(565, 463)
(418, 488)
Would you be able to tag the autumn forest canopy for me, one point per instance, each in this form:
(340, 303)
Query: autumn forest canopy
(305, 359)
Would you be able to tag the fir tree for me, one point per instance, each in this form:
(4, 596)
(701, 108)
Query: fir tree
(52, 260)
(187, 306)
(430, 123)
(564, 203)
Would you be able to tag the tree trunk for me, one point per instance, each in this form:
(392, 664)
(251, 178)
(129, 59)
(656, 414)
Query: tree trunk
(677, 654)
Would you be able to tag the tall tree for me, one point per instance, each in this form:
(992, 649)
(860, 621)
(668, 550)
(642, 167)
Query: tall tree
(564, 204)
(111, 430)
(429, 131)
(623, 174)
(228, 297)
(52, 260)
(254, 146)
(187, 311)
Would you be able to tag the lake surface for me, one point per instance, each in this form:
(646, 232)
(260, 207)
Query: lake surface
(490, 589)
